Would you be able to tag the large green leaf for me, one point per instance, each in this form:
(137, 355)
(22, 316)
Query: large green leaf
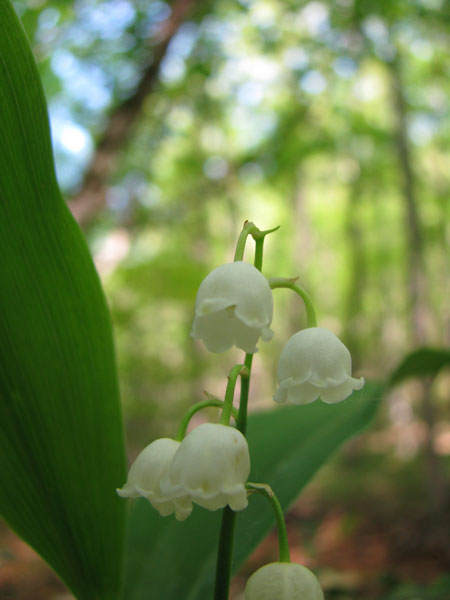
(172, 560)
(423, 362)
(61, 441)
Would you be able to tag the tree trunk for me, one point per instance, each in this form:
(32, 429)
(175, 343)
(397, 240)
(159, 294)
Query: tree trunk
(91, 197)
(356, 267)
(417, 283)
(415, 247)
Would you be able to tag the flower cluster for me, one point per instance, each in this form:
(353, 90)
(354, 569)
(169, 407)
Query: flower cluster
(209, 467)
(211, 464)
(234, 306)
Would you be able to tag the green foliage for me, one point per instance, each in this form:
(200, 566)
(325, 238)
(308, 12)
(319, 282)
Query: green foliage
(424, 362)
(324, 164)
(170, 278)
(287, 447)
(234, 87)
(439, 590)
(61, 441)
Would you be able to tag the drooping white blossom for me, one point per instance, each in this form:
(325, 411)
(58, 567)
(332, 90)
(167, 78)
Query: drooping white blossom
(283, 581)
(211, 467)
(234, 306)
(315, 363)
(145, 475)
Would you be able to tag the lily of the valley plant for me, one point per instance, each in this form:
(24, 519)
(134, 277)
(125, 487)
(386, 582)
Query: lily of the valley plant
(210, 465)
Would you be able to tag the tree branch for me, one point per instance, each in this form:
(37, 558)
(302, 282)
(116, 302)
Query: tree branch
(91, 197)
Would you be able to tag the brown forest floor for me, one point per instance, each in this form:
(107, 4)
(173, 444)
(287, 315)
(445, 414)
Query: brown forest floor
(357, 557)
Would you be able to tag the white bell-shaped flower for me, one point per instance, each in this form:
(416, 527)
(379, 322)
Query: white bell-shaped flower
(234, 306)
(145, 475)
(283, 581)
(315, 363)
(211, 466)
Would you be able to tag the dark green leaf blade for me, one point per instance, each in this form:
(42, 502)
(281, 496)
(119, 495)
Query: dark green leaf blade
(61, 439)
(287, 445)
(423, 362)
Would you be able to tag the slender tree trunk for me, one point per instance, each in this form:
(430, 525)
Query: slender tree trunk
(417, 280)
(356, 267)
(91, 197)
(415, 246)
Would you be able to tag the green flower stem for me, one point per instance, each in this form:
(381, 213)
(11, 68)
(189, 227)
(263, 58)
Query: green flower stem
(218, 402)
(241, 422)
(225, 550)
(248, 228)
(258, 235)
(211, 401)
(225, 554)
(259, 247)
(229, 394)
(266, 490)
(284, 282)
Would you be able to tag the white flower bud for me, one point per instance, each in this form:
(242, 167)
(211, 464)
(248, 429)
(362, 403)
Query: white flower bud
(145, 475)
(234, 306)
(211, 466)
(283, 581)
(315, 363)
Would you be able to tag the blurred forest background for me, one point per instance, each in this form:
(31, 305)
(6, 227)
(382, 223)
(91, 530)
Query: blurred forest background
(172, 123)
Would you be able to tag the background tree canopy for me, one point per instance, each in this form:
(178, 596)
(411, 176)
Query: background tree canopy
(174, 122)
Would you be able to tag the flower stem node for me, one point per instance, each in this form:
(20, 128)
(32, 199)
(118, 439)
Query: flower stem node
(145, 476)
(315, 363)
(283, 581)
(211, 467)
(234, 306)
